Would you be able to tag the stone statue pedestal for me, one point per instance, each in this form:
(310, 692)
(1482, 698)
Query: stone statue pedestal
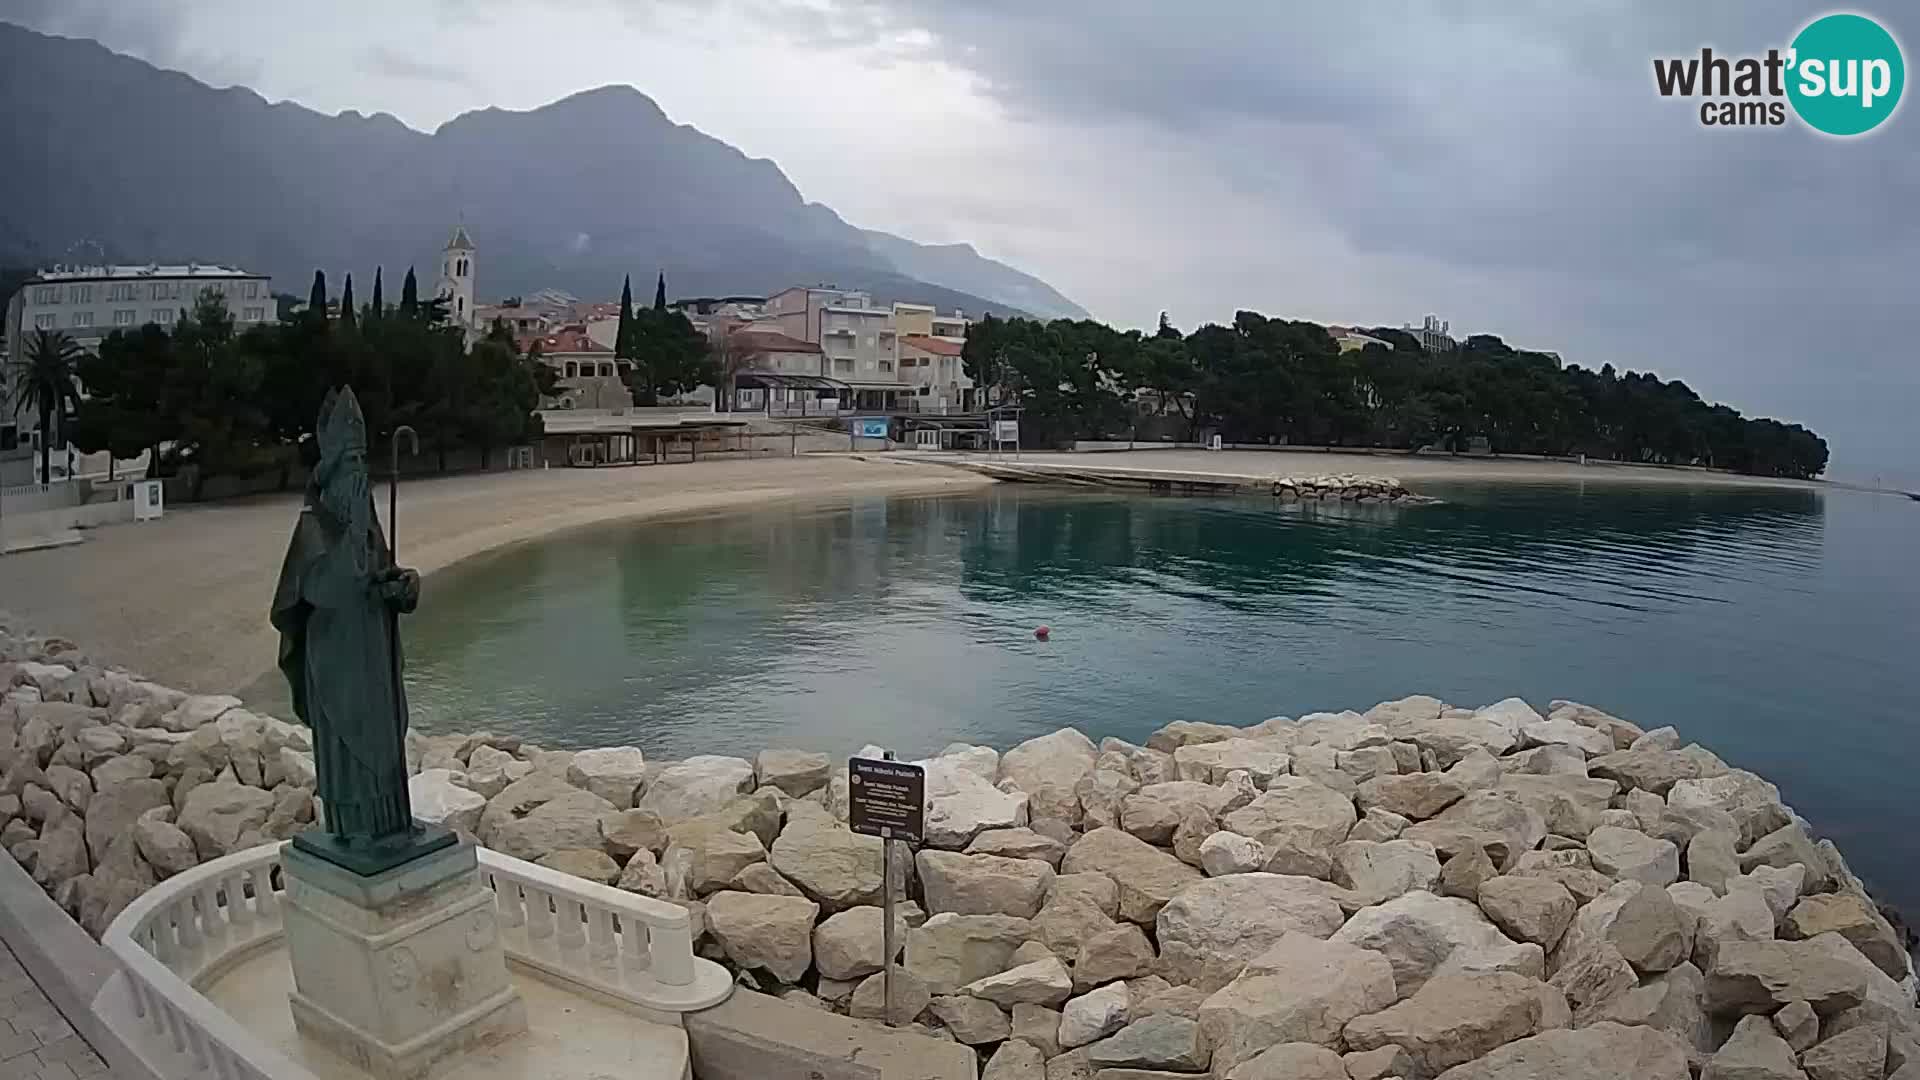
(399, 970)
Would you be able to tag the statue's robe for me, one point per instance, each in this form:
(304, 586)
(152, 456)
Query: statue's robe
(340, 653)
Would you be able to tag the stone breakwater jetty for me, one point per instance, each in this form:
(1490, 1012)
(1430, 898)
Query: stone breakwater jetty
(1412, 891)
(1332, 487)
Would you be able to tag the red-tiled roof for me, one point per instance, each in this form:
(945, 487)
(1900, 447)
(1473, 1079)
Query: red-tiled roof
(934, 345)
(566, 339)
(773, 341)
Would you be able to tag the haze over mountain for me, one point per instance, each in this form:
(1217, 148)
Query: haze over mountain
(118, 158)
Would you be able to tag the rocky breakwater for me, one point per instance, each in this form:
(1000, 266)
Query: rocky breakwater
(1415, 891)
(1342, 487)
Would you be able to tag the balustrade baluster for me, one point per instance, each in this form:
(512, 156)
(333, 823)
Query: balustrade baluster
(265, 904)
(672, 948)
(572, 916)
(539, 917)
(602, 949)
(187, 923)
(506, 898)
(239, 911)
(634, 955)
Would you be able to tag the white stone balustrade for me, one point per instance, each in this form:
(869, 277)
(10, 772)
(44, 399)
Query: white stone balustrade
(186, 931)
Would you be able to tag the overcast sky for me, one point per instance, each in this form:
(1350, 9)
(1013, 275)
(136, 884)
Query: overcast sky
(1506, 166)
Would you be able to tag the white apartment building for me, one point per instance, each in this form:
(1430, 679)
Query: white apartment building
(89, 302)
(1434, 335)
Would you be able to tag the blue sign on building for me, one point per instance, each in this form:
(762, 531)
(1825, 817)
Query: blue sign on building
(870, 427)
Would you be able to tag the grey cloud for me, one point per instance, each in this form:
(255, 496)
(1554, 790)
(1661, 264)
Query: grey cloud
(1521, 146)
(382, 60)
(154, 32)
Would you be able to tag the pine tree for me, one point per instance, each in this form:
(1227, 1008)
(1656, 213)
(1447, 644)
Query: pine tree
(623, 337)
(660, 293)
(317, 297)
(409, 297)
(348, 316)
(378, 307)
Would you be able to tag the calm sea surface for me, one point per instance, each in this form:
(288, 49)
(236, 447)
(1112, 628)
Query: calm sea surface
(1777, 628)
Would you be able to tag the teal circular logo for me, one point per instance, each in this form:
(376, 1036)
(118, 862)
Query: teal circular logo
(1846, 74)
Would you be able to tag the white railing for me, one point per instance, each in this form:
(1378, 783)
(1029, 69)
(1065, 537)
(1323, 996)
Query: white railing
(179, 932)
(631, 947)
(188, 930)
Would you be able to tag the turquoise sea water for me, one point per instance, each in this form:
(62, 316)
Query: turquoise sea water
(1776, 627)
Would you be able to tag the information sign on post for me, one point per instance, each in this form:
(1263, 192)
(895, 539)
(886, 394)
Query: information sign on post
(870, 427)
(887, 799)
(1006, 431)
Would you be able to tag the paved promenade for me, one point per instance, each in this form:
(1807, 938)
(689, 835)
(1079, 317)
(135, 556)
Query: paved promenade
(36, 1042)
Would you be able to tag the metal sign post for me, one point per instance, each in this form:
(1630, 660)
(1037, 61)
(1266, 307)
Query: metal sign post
(888, 799)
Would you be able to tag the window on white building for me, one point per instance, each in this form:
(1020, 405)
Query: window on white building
(253, 290)
(45, 322)
(254, 314)
(160, 290)
(80, 294)
(886, 365)
(573, 370)
(161, 315)
(46, 294)
(83, 318)
(123, 317)
(122, 291)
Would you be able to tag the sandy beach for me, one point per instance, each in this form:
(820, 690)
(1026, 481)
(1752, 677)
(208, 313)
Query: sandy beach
(184, 599)
(1412, 469)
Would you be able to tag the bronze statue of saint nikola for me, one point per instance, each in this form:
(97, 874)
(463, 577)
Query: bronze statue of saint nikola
(337, 608)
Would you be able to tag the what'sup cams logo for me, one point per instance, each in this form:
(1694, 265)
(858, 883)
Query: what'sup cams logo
(1842, 76)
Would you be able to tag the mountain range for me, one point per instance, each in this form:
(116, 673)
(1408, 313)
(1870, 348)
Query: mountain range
(116, 160)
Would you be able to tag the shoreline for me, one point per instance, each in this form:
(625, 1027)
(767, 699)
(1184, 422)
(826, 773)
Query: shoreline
(1566, 885)
(185, 598)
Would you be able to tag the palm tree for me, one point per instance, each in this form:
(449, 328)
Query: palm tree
(47, 381)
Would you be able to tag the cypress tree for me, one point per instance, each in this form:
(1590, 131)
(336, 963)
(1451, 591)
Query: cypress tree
(347, 314)
(660, 292)
(317, 296)
(378, 307)
(623, 337)
(409, 297)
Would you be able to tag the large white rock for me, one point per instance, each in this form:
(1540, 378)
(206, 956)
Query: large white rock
(961, 803)
(1226, 853)
(1761, 976)
(1571, 804)
(1456, 1018)
(796, 772)
(1262, 759)
(1299, 990)
(849, 944)
(1155, 811)
(1146, 876)
(771, 933)
(696, 786)
(983, 884)
(1422, 934)
(1210, 929)
(1094, 1015)
(712, 854)
(114, 808)
(837, 868)
(1382, 871)
(949, 951)
(1491, 820)
(1296, 811)
(437, 800)
(1602, 1052)
(570, 821)
(1042, 982)
(1755, 1051)
(1565, 732)
(217, 814)
(1049, 769)
(1528, 909)
(614, 773)
(1417, 796)
(1631, 855)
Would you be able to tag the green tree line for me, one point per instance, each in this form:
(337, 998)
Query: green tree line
(232, 402)
(668, 356)
(1264, 380)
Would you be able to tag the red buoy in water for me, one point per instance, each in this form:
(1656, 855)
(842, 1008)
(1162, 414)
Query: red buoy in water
(1040, 633)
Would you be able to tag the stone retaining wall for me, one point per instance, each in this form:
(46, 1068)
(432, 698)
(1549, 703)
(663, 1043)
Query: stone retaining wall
(1413, 891)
